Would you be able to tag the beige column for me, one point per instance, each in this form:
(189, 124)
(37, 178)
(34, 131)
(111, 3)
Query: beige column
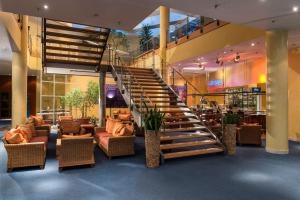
(19, 89)
(164, 34)
(277, 92)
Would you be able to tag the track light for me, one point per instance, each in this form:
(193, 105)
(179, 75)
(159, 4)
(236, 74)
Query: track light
(237, 58)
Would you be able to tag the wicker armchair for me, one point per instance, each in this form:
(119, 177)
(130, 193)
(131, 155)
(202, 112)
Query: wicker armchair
(27, 154)
(114, 145)
(75, 151)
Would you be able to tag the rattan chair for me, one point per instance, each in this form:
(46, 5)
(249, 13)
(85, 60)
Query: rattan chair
(26, 154)
(116, 146)
(75, 151)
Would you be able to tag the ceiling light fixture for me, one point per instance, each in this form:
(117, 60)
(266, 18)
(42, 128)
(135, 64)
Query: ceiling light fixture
(237, 58)
(46, 7)
(295, 9)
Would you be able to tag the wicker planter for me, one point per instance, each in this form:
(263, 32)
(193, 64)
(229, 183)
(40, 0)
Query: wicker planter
(152, 143)
(230, 138)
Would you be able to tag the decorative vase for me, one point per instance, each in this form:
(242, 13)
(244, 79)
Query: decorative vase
(152, 145)
(230, 138)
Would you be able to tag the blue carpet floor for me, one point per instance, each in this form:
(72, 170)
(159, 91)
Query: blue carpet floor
(251, 174)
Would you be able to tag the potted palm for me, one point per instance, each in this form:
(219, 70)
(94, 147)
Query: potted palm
(230, 121)
(152, 121)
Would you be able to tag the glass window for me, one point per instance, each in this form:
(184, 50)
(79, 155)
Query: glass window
(47, 77)
(59, 78)
(47, 88)
(60, 89)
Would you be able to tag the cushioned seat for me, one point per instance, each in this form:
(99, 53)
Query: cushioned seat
(39, 139)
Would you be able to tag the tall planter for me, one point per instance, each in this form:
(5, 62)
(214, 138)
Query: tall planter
(230, 138)
(152, 145)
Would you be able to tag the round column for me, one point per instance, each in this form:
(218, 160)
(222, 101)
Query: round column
(164, 34)
(19, 89)
(277, 92)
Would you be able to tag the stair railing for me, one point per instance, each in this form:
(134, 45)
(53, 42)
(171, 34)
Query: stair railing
(132, 79)
(189, 83)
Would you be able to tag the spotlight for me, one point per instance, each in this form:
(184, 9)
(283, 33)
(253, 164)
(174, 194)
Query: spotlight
(201, 67)
(46, 7)
(237, 58)
(295, 9)
(252, 44)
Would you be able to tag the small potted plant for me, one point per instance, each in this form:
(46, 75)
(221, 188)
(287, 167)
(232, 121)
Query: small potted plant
(230, 121)
(152, 121)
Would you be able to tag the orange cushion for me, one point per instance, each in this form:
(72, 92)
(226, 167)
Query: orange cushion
(118, 128)
(100, 134)
(127, 130)
(77, 136)
(14, 136)
(110, 123)
(124, 117)
(26, 131)
(31, 128)
(38, 120)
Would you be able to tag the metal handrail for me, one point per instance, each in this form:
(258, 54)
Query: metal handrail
(122, 66)
(194, 87)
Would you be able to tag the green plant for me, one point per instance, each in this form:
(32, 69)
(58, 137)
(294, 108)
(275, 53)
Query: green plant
(231, 118)
(153, 118)
(145, 36)
(94, 120)
(92, 95)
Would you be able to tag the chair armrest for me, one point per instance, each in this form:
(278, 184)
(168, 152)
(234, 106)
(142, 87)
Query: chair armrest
(120, 138)
(29, 149)
(42, 133)
(99, 129)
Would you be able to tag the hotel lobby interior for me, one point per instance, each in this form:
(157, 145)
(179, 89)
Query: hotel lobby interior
(114, 99)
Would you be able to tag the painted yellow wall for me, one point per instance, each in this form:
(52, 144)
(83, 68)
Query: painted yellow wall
(225, 36)
(294, 94)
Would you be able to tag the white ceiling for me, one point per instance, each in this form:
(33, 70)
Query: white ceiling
(126, 14)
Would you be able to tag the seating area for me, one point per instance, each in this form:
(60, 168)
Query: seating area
(149, 100)
(26, 145)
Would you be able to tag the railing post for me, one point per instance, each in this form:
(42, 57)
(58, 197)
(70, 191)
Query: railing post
(186, 89)
(173, 77)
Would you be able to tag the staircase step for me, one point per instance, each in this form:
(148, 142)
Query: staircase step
(187, 144)
(156, 97)
(134, 69)
(174, 111)
(192, 153)
(147, 84)
(163, 106)
(188, 129)
(185, 136)
(148, 88)
(182, 123)
(157, 101)
(127, 81)
(150, 92)
(175, 118)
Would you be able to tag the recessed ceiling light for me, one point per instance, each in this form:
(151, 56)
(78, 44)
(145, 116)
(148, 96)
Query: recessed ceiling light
(46, 7)
(252, 44)
(225, 52)
(295, 9)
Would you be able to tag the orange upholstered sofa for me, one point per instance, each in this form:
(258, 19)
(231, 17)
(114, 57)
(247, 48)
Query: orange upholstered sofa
(25, 146)
(116, 139)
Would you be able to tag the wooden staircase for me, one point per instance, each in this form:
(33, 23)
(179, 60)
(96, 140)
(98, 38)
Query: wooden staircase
(183, 133)
(74, 46)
